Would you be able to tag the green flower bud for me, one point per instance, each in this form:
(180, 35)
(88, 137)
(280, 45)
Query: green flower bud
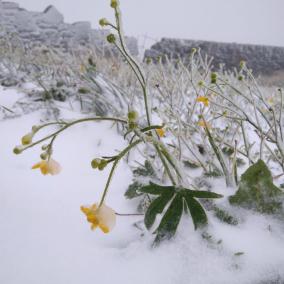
(198, 48)
(17, 151)
(27, 139)
(132, 125)
(165, 55)
(102, 165)
(242, 63)
(149, 60)
(133, 115)
(159, 57)
(193, 50)
(111, 38)
(95, 163)
(200, 83)
(199, 116)
(35, 128)
(213, 75)
(103, 22)
(213, 81)
(155, 108)
(43, 156)
(44, 147)
(114, 3)
(240, 78)
(178, 61)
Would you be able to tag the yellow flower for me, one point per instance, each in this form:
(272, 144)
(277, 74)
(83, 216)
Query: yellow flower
(203, 100)
(207, 124)
(161, 132)
(82, 68)
(48, 167)
(271, 100)
(103, 216)
(264, 111)
(214, 95)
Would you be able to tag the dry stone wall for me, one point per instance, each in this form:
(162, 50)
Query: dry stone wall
(36, 28)
(261, 59)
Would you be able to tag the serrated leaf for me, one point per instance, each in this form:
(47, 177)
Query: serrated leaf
(197, 213)
(131, 192)
(147, 171)
(170, 220)
(155, 189)
(257, 191)
(212, 175)
(156, 207)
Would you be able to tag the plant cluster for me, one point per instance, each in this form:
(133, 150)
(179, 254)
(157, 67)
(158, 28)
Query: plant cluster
(206, 115)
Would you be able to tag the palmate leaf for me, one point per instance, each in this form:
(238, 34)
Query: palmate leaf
(257, 191)
(147, 171)
(131, 192)
(171, 218)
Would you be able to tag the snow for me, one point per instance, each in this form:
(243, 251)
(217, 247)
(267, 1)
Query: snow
(45, 238)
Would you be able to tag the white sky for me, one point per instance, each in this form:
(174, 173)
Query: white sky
(241, 21)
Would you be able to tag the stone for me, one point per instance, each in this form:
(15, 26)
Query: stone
(52, 16)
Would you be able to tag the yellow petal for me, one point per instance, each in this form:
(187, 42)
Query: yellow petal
(86, 209)
(271, 100)
(37, 165)
(264, 110)
(160, 132)
(201, 123)
(94, 226)
(206, 103)
(201, 99)
(214, 95)
(54, 168)
(107, 218)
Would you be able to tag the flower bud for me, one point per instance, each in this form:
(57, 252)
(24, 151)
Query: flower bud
(132, 125)
(149, 60)
(178, 61)
(213, 75)
(27, 139)
(103, 22)
(102, 165)
(111, 38)
(17, 151)
(159, 57)
(199, 116)
(43, 156)
(132, 115)
(198, 48)
(193, 50)
(240, 78)
(44, 147)
(114, 3)
(200, 83)
(49, 151)
(35, 128)
(165, 55)
(213, 81)
(242, 63)
(95, 163)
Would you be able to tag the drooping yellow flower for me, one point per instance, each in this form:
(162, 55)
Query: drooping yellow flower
(203, 100)
(207, 124)
(48, 167)
(161, 132)
(271, 100)
(103, 217)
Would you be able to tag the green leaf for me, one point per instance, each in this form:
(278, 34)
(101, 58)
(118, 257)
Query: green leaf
(157, 206)
(212, 175)
(197, 212)
(228, 151)
(203, 194)
(155, 189)
(240, 162)
(131, 192)
(147, 171)
(170, 220)
(190, 165)
(151, 127)
(257, 191)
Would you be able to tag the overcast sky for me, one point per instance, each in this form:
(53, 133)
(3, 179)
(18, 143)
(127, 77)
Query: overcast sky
(240, 21)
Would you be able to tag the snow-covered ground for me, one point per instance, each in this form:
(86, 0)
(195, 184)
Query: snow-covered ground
(45, 238)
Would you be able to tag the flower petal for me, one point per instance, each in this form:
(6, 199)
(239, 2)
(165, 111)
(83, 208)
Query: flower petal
(107, 218)
(37, 165)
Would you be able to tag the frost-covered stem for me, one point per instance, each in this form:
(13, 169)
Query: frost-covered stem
(117, 13)
(280, 115)
(114, 165)
(167, 155)
(274, 156)
(276, 134)
(156, 71)
(70, 124)
(245, 142)
(249, 73)
(165, 165)
(227, 109)
(253, 103)
(261, 143)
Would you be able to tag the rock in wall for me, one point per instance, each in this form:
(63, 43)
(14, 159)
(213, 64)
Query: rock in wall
(35, 28)
(261, 59)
